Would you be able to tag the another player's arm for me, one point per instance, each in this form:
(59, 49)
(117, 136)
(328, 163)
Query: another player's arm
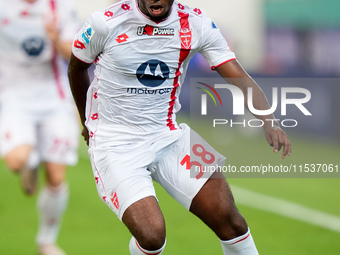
(64, 48)
(79, 82)
(234, 74)
(60, 26)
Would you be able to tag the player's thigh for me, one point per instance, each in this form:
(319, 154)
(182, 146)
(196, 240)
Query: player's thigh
(214, 205)
(59, 137)
(120, 178)
(180, 166)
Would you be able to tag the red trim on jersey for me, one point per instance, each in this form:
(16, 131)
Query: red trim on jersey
(241, 239)
(82, 60)
(55, 67)
(144, 251)
(214, 67)
(183, 54)
(115, 5)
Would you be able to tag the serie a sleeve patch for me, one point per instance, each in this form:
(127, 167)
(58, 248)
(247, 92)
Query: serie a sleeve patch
(88, 34)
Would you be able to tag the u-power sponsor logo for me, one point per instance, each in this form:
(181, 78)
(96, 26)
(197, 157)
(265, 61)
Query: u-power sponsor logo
(155, 31)
(239, 100)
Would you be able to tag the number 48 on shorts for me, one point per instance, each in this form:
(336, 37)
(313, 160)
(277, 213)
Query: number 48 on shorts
(203, 160)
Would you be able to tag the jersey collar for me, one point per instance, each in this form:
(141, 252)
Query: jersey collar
(146, 19)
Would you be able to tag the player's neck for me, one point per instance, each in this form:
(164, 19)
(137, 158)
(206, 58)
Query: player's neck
(143, 7)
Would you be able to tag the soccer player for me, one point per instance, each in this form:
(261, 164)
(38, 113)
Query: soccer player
(38, 119)
(141, 49)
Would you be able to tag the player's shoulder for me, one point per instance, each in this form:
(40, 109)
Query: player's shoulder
(115, 11)
(110, 17)
(194, 12)
(198, 16)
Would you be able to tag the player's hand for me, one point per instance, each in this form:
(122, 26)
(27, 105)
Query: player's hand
(52, 32)
(277, 138)
(50, 23)
(85, 134)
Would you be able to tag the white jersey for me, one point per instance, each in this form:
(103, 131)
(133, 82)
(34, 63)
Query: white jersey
(140, 68)
(30, 69)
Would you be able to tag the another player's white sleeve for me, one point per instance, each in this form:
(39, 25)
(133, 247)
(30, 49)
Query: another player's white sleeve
(90, 40)
(214, 47)
(69, 22)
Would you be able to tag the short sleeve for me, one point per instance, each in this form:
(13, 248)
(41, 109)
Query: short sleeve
(214, 46)
(90, 40)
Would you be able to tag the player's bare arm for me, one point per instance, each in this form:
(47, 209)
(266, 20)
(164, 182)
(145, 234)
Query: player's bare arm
(79, 82)
(234, 74)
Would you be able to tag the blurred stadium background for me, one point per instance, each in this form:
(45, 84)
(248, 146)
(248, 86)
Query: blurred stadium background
(290, 39)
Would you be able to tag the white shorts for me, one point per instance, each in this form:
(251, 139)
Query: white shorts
(53, 132)
(124, 174)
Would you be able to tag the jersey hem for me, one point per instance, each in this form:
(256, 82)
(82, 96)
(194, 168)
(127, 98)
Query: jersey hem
(214, 67)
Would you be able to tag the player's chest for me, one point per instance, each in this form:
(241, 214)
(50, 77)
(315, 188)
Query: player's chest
(141, 46)
(148, 40)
